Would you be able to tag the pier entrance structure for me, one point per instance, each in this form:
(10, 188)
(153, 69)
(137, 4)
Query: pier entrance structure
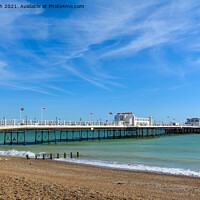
(129, 119)
(193, 121)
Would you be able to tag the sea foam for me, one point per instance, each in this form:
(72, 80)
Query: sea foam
(112, 165)
(15, 153)
(136, 167)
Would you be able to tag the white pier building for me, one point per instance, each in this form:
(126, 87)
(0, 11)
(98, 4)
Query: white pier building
(129, 119)
(193, 122)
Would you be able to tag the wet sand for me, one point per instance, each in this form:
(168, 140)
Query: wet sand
(42, 179)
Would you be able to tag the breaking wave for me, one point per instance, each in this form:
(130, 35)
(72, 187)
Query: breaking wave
(112, 165)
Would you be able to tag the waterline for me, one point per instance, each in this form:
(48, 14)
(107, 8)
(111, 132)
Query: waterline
(177, 155)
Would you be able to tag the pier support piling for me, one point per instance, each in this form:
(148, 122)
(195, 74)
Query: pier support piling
(55, 136)
(24, 137)
(35, 137)
(4, 138)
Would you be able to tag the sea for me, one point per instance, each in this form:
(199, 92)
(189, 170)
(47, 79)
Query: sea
(177, 154)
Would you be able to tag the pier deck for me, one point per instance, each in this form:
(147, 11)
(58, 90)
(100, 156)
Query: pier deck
(16, 134)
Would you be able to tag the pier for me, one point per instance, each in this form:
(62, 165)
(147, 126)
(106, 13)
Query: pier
(14, 133)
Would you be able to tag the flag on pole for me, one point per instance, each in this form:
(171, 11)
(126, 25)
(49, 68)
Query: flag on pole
(91, 113)
(110, 113)
(22, 109)
(174, 119)
(43, 108)
(167, 116)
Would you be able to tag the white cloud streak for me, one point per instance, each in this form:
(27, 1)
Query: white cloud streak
(33, 89)
(86, 78)
(111, 30)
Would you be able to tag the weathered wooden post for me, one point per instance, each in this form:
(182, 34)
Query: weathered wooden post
(77, 154)
(51, 156)
(43, 156)
(36, 156)
(58, 155)
(71, 156)
(27, 156)
(65, 155)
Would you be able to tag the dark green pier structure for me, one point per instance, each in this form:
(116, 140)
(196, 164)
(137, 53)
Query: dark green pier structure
(20, 135)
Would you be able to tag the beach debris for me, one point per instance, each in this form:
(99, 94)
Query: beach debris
(119, 182)
(3, 159)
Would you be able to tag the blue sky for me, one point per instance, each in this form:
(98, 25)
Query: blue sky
(111, 56)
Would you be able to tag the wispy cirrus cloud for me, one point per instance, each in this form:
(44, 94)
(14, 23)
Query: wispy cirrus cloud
(177, 87)
(60, 89)
(26, 88)
(86, 78)
(132, 28)
(112, 30)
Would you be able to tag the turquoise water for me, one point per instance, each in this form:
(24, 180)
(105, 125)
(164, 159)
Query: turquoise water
(181, 151)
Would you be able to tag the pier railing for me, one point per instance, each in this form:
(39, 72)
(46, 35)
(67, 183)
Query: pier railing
(15, 122)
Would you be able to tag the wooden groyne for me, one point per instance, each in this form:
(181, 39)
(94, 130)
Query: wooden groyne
(54, 155)
(45, 134)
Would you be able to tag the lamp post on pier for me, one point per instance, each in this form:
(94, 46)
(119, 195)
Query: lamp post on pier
(90, 116)
(4, 121)
(42, 113)
(22, 109)
(109, 117)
